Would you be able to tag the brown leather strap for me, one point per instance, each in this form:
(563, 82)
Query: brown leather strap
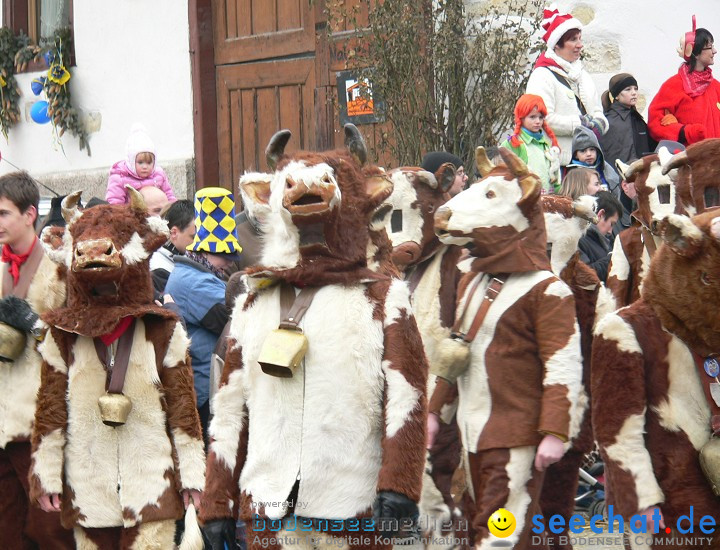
(301, 303)
(491, 293)
(118, 368)
(648, 241)
(416, 276)
(27, 273)
(458, 323)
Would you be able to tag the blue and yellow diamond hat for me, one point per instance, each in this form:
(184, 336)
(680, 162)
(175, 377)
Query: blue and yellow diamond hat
(215, 229)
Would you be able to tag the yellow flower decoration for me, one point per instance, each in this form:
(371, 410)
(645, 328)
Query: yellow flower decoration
(58, 74)
(2, 82)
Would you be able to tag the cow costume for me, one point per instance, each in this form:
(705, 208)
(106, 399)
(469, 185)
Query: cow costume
(653, 410)
(565, 222)
(635, 246)
(520, 390)
(430, 268)
(345, 432)
(117, 481)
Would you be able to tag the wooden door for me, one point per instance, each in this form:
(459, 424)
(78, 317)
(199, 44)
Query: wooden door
(254, 101)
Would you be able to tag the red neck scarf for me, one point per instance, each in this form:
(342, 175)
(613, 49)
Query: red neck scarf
(545, 61)
(118, 331)
(694, 83)
(15, 260)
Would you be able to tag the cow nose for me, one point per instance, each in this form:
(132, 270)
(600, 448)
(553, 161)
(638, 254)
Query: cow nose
(441, 219)
(290, 183)
(95, 247)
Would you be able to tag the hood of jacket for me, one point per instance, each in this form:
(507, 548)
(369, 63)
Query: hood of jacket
(584, 138)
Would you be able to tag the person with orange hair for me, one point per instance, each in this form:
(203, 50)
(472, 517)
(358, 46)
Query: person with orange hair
(534, 141)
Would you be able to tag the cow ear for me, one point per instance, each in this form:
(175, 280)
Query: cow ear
(682, 236)
(381, 217)
(445, 176)
(378, 188)
(158, 234)
(53, 242)
(256, 190)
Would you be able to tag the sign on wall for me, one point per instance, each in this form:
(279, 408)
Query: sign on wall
(357, 101)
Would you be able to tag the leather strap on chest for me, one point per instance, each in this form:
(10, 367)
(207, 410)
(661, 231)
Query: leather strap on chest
(491, 293)
(27, 274)
(292, 307)
(648, 241)
(117, 367)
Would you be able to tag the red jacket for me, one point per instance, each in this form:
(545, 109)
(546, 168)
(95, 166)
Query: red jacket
(704, 109)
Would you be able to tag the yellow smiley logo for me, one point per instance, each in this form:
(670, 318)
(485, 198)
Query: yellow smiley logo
(501, 523)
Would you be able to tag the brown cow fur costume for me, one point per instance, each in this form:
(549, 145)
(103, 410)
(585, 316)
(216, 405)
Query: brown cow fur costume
(430, 268)
(565, 223)
(350, 423)
(120, 486)
(651, 414)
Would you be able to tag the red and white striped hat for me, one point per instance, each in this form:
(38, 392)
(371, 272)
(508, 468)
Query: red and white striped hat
(556, 24)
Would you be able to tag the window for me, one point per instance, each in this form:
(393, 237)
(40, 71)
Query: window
(39, 19)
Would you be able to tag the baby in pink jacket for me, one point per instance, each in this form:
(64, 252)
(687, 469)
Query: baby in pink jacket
(138, 169)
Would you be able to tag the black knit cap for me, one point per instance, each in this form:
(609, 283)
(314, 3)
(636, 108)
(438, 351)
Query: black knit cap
(434, 160)
(619, 82)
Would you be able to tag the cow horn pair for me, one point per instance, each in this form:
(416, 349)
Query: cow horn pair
(528, 181)
(677, 160)
(353, 141)
(69, 205)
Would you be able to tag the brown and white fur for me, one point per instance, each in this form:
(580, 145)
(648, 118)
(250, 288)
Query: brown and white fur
(131, 475)
(524, 376)
(351, 421)
(430, 267)
(656, 198)
(565, 222)
(651, 416)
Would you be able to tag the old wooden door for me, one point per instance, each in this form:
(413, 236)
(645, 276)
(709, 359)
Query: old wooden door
(265, 79)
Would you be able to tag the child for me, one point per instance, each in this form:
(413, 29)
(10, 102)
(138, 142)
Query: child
(595, 248)
(627, 137)
(138, 169)
(534, 142)
(580, 181)
(586, 152)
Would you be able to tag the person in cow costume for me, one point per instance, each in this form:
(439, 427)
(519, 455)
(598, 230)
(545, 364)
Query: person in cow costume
(117, 447)
(565, 223)
(31, 285)
(517, 347)
(430, 269)
(656, 410)
(635, 246)
(321, 411)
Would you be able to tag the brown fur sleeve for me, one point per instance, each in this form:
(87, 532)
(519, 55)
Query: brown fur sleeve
(444, 394)
(618, 413)
(558, 339)
(228, 443)
(49, 432)
(405, 403)
(176, 377)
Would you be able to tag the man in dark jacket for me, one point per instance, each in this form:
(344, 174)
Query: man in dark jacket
(595, 248)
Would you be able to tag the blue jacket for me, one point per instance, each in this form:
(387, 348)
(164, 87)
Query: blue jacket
(200, 295)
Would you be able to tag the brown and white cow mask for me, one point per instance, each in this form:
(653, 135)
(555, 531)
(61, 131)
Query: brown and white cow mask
(106, 250)
(321, 206)
(698, 175)
(656, 194)
(683, 284)
(500, 219)
(416, 195)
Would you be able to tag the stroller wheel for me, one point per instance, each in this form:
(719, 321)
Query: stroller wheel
(598, 508)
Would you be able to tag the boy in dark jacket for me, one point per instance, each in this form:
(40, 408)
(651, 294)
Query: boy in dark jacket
(595, 248)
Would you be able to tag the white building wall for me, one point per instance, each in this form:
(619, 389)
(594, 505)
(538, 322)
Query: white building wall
(132, 65)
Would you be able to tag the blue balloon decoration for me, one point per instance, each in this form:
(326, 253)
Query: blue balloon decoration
(38, 112)
(37, 85)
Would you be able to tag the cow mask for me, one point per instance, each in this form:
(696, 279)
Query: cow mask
(321, 207)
